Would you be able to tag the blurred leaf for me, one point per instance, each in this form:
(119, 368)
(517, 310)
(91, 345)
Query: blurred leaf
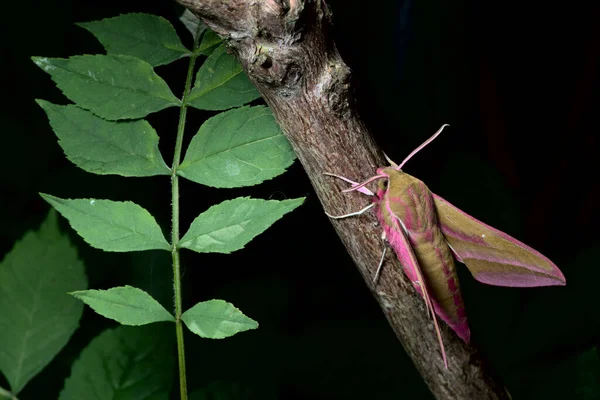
(230, 225)
(221, 83)
(192, 23)
(37, 317)
(111, 225)
(240, 147)
(483, 182)
(588, 377)
(216, 319)
(152, 272)
(127, 148)
(126, 305)
(148, 37)
(133, 363)
(576, 377)
(578, 324)
(197, 27)
(111, 86)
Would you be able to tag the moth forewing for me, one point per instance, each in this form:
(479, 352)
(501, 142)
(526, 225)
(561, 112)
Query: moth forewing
(492, 256)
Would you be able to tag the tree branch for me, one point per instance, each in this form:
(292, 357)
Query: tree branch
(286, 51)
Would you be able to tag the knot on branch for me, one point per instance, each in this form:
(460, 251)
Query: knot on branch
(280, 43)
(334, 86)
(273, 66)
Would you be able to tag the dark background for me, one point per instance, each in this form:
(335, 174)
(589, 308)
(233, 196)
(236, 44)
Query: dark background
(518, 82)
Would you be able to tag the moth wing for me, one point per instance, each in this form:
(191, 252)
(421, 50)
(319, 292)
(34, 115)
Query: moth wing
(397, 239)
(492, 256)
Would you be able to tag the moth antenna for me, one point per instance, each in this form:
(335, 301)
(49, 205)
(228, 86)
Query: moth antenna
(393, 164)
(425, 143)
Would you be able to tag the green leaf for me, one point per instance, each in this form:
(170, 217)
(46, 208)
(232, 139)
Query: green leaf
(574, 377)
(240, 147)
(192, 23)
(209, 43)
(148, 37)
(111, 225)
(228, 226)
(111, 86)
(221, 83)
(133, 363)
(588, 377)
(126, 305)
(127, 148)
(38, 317)
(216, 319)
(196, 27)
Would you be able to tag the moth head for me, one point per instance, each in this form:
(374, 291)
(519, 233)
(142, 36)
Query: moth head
(383, 184)
(387, 174)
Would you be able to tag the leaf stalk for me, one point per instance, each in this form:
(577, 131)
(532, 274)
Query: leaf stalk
(175, 221)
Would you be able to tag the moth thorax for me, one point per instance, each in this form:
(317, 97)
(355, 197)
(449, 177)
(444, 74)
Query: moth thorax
(411, 201)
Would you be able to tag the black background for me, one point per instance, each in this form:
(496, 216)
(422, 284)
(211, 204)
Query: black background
(518, 83)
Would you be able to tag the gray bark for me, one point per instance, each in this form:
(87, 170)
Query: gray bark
(285, 49)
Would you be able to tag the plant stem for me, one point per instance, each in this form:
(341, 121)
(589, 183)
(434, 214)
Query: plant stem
(175, 222)
(5, 394)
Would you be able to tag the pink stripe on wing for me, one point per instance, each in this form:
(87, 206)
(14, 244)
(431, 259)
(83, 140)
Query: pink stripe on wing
(516, 280)
(446, 230)
(471, 255)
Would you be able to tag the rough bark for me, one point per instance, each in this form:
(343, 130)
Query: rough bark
(286, 51)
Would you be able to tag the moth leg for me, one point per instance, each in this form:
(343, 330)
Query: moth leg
(367, 208)
(380, 261)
